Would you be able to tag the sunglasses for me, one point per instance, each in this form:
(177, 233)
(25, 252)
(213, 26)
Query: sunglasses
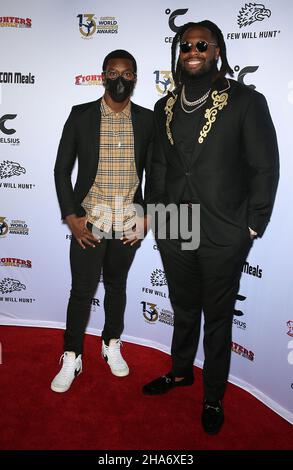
(200, 46)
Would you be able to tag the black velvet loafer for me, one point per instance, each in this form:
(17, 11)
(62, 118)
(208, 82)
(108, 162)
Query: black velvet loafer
(212, 417)
(165, 383)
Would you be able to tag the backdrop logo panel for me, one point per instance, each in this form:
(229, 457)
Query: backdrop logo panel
(158, 278)
(255, 271)
(164, 81)
(16, 263)
(243, 72)
(153, 313)
(8, 285)
(9, 169)
(252, 12)
(89, 25)
(290, 328)
(17, 78)
(15, 22)
(15, 227)
(242, 351)
(171, 21)
(86, 80)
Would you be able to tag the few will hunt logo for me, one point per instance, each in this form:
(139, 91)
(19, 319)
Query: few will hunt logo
(88, 25)
(9, 169)
(14, 22)
(251, 13)
(8, 285)
(158, 278)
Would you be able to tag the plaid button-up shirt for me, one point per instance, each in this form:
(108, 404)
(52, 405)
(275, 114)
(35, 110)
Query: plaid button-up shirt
(108, 203)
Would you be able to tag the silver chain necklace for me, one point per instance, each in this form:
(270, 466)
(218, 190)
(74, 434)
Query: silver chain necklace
(200, 101)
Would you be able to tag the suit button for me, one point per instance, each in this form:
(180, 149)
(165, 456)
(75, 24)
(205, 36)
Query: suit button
(188, 173)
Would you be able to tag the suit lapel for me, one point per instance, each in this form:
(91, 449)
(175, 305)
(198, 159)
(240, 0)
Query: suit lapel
(95, 124)
(217, 99)
(137, 129)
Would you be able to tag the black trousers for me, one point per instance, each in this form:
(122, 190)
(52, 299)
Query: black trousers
(115, 259)
(205, 279)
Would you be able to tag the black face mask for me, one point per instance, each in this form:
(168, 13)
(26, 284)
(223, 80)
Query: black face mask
(119, 89)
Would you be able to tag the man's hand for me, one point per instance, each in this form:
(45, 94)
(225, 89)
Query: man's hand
(253, 234)
(80, 231)
(138, 232)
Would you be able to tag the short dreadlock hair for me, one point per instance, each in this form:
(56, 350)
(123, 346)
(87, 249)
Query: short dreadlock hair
(217, 35)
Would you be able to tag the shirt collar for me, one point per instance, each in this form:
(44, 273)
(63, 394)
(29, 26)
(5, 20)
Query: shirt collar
(106, 110)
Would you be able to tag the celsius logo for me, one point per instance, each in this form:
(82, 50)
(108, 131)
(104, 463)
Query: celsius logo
(245, 71)
(158, 278)
(238, 313)
(8, 285)
(290, 328)
(150, 312)
(252, 12)
(173, 16)
(8, 169)
(5, 118)
(164, 81)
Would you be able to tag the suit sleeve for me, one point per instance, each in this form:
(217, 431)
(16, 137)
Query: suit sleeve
(158, 166)
(66, 156)
(261, 153)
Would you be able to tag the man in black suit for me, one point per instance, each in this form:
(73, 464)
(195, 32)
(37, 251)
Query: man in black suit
(112, 140)
(215, 146)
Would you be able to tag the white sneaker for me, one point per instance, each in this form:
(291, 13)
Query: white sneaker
(71, 367)
(113, 356)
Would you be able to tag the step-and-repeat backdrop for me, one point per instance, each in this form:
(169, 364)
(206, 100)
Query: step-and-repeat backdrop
(51, 57)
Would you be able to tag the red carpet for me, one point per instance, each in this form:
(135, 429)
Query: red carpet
(101, 411)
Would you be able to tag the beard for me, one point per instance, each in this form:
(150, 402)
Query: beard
(207, 68)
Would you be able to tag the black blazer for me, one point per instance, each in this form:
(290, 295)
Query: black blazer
(81, 139)
(235, 169)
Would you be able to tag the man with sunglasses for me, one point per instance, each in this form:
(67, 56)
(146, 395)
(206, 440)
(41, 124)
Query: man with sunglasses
(112, 139)
(215, 146)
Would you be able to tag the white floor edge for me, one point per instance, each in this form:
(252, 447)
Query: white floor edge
(274, 406)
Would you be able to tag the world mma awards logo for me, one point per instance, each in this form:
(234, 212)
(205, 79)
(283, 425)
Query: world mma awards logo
(4, 228)
(164, 81)
(88, 25)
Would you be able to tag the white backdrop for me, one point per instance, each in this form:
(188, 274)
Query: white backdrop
(48, 63)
